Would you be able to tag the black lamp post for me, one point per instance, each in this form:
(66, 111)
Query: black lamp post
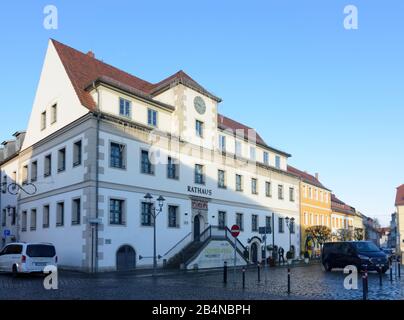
(290, 224)
(155, 212)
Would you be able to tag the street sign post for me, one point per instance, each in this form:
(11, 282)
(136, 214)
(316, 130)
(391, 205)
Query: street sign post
(6, 232)
(264, 231)
(235, 232)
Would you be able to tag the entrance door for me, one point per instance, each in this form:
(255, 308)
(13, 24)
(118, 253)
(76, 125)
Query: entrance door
(197, 228)
(125, 258)
(254, 252)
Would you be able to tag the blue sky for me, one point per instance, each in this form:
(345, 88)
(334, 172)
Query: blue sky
(332, 98)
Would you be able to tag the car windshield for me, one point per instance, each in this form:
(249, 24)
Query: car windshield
(40, 250)
(366, 247)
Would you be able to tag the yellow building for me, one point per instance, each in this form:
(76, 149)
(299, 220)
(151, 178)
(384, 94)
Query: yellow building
(315, 206)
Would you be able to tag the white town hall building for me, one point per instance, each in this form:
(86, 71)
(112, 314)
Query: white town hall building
(99, 139)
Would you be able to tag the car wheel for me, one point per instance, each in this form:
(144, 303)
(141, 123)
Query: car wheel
(15, 271)
(327, 266)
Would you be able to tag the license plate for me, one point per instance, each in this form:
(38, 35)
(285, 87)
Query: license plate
(40, 264)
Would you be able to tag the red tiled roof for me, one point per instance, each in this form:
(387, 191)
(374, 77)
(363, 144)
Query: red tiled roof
(226, 123)
(400, 196)
(340, 206)
(83, 69)
(306, 177)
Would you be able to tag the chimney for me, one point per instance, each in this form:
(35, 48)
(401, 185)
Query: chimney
(316, 175)
(91, 54)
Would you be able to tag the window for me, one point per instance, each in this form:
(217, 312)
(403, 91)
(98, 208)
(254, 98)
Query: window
(172, 168)
(45, 217)
(76, 211)
(292, 227)
(4, 218)
(77, 153)
(60, 214)
(34, 171)
(281, 226)
(117, 155)
(266, 158)
(222, 219)
(13, 216)
(252, 153)
(54, 115)
(199, 174)
(48, 165)
(147, 217)
(239, 221)
(116, 212)
(292, 194)
(4, 185)
(306, 219)
(278, 162)
(310, 194)
(25, 174)
(268, 223)
(152, 117)
(222, 143)
(24, 221)
(254, 186)
(199, 128)
(254, 223)
(33, 220)
(43, 120)
(62, 160)
(146, 167)
(173, 217)
(268, 189)
(124, 108)
(221, 179)
(239, 182)
(280, 192)
(237, 148)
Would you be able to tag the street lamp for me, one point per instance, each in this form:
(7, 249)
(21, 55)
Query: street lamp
(290, 224)
(155, 212)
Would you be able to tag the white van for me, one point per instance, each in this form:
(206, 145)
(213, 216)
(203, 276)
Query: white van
(23, 257)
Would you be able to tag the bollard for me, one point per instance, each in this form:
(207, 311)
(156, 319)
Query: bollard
(225, 272)
(395, 267)
(367, 282)
(391, 273)
(243, 278)
(288, 280)
(364, 286)
(399, 267)
(380, 276)
(259, 272)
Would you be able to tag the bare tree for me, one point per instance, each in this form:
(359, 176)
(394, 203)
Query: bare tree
(320, 234)
(344, 234)
(359, 234)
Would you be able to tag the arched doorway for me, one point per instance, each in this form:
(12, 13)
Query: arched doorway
(125, 258)
(197, 227)
(254, 252)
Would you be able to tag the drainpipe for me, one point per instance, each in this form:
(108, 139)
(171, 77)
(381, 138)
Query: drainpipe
(95, 263)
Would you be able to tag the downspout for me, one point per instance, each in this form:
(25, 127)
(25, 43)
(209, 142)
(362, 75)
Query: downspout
(95, 267)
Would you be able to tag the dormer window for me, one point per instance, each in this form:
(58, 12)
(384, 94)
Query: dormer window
(278, 162)
(124, 108)
(54, 113)
(43, 120)
(222, 143)
(266, 158)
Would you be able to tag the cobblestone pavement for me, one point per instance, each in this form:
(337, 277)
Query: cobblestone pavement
(309, 282)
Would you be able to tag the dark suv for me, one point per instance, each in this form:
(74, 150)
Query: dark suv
(362, 254)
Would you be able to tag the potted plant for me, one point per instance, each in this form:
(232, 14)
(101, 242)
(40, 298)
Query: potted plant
(306, 257)
(289, 257)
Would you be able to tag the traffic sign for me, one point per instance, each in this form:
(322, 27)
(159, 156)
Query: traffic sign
(6, 232)
(235, 231)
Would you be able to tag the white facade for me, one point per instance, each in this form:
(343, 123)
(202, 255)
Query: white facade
(77, 189)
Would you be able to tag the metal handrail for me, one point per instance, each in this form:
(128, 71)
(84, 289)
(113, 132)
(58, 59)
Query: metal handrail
(173, 247)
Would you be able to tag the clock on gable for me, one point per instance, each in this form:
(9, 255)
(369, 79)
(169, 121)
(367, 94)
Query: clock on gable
(199, 105)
